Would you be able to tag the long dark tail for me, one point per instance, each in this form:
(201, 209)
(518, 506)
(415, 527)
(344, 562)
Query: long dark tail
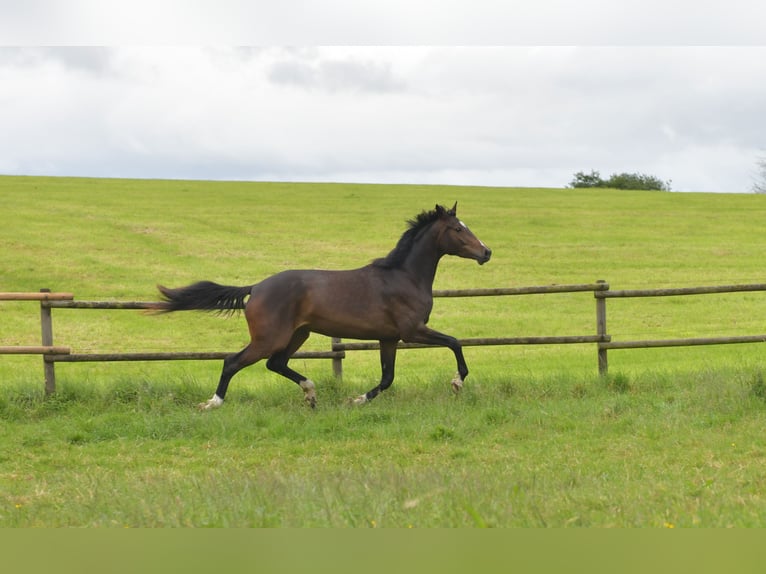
(203, 296)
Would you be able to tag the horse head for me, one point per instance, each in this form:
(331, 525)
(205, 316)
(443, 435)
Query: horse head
(456, 239)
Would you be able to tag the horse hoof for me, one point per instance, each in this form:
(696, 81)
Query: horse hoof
(457, 383)
(356, 401)
(309, 394)
(210, 404)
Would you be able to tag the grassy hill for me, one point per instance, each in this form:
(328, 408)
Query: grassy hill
(104, 239)
(672, 437)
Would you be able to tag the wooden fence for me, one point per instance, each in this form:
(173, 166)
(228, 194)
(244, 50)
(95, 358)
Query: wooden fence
(54, 354)
(604, 346)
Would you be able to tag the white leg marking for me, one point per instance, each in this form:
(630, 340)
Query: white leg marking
(212, 403)
(309, 394)
(360, 400)
(457, 382)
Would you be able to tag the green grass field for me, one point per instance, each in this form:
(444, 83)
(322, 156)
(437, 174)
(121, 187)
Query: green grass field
(673, 437)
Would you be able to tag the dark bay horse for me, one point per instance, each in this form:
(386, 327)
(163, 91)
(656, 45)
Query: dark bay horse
(388, 300)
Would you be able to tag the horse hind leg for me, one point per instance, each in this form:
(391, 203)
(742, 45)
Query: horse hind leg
(278, 363)
(231, 366)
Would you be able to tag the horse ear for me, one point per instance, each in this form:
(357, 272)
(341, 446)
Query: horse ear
(439, 210)
(453, 211)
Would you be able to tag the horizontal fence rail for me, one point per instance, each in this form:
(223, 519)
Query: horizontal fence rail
(35, 350)
(690, 342)
(180, 356)
(131, 305)
(52, 354)
(575, 339)
(605, 346)
(41, 296)
(540, 290)
(682, 291)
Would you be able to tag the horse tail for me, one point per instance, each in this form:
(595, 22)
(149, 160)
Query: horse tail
(203, 296)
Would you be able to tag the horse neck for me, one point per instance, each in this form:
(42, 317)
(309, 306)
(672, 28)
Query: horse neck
(423, 259)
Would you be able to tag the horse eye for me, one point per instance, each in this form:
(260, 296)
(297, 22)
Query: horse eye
(459, 228)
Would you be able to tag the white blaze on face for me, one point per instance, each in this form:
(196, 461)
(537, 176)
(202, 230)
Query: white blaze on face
(477, 239)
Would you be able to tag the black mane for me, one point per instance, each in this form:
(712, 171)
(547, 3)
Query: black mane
(398, 254)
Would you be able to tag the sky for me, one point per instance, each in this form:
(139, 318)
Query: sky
(523, 113)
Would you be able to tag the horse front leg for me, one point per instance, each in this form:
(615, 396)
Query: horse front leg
(387, 364)
(427, 336)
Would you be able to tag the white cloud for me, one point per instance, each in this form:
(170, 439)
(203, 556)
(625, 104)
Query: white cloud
(482, 116)
(405, 22)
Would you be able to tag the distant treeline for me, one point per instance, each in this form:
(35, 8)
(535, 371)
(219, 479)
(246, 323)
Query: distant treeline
(637, 181)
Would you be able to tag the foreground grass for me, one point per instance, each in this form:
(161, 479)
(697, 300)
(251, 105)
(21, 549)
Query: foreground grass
(664, 451)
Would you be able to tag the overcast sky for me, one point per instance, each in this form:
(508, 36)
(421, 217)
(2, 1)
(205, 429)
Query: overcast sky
(498, 116)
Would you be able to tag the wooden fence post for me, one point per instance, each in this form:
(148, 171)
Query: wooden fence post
(603, 362)
(337, 362)
(46, 326)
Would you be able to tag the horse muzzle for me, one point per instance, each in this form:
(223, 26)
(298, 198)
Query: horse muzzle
(484, 257)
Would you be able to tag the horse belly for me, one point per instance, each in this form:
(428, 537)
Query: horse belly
(345, 305)
(353, 321)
